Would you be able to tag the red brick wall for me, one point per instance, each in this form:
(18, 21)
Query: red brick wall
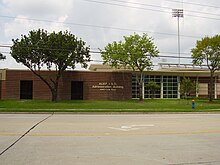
(11, 86)
(2, 89)
(91, 79)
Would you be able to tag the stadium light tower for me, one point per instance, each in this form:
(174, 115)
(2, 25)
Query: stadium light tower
(178, 13)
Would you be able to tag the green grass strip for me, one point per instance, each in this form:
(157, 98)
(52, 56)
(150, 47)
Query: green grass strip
(148, 105)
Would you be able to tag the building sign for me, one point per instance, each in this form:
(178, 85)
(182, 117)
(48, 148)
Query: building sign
(107, 86)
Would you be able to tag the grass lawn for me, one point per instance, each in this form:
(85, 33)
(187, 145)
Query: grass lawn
(149, 105)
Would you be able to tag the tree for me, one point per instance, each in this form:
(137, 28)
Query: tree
(54, 51)
(2, 57)
(152, 87)
(207, 51)
(186, 87)
(135, 53)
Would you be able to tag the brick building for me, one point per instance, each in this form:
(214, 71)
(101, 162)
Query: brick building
(75, 85)
(103, 83)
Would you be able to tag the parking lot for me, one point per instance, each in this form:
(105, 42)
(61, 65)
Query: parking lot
(84, 139)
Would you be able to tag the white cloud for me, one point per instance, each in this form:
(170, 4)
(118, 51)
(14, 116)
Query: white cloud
(38, 8)
(24, 25)
(62, 13)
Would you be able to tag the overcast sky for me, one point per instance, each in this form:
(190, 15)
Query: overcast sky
(99, 22)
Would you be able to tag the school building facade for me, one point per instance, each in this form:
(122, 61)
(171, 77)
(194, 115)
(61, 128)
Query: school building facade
(104, 83)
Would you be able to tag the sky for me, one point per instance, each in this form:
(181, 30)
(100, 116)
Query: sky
(99, 22)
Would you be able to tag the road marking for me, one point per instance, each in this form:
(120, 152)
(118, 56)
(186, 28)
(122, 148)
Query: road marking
(110, 134)
(26, 133)
(131, 127)
(21, 117)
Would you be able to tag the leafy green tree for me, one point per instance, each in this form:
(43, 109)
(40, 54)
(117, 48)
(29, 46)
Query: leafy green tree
(2, 57)
(152, 87)
(186, 87)
(207, 51)
(135, 53)
(54, 51)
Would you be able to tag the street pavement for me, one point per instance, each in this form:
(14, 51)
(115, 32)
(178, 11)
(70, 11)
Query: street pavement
(119, 139)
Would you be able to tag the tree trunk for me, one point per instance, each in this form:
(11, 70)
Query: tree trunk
(54, 96)
(141, 86)
(211, 86)
(52, 84)
(54, 90)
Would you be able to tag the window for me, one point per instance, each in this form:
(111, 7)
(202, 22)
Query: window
(170, 87)
(147, 78)
(135, 87)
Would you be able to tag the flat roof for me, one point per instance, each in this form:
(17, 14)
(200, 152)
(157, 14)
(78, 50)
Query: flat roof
(169, 71)
(177, 71)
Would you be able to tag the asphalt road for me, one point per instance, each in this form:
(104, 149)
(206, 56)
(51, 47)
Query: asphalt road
(154, 139)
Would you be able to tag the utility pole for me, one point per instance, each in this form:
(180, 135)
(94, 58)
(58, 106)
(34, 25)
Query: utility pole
(178, 13)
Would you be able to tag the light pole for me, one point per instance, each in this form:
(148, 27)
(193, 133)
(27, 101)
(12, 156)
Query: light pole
(178, 13)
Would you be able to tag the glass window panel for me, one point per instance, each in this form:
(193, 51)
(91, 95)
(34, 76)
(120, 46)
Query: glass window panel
(175, 88)
(164, 96)
(170, 96)
(175, 84)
